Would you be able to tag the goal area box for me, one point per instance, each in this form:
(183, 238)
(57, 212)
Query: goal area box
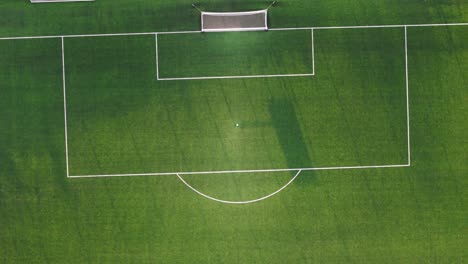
(234, 21)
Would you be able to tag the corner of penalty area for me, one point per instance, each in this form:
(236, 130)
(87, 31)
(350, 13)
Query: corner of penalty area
(243, 187)
(256, 20)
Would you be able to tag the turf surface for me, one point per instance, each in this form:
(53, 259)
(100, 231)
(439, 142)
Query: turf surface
(354, 106)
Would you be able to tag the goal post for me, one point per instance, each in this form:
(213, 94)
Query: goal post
(234, 21)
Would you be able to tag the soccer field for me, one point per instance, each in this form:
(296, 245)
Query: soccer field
(339, 137)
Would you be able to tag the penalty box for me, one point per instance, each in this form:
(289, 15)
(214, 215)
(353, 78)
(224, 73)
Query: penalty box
(121, 121)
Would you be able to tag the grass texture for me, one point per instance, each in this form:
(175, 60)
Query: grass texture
(122, 120)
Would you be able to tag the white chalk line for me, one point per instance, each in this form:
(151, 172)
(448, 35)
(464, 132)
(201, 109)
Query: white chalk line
(65, 106)
(375, 26)
(239, 202)
(407, 97)
(236, 77)
(203, 13)
(235, 29)
(157, 59)
(313, 52)
(239, 171)
(100, 35)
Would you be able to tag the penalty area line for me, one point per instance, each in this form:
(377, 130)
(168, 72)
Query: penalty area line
(241, 171)
(313, 52)
(157, 59)
(407, 97)
(374, 26)
(65, 106)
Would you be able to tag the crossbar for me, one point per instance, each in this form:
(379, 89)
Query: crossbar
(234, 21)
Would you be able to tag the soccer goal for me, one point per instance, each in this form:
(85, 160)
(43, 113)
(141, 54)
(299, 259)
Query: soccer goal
(234, 21)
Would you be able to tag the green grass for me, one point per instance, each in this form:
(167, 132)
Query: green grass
(122, 120)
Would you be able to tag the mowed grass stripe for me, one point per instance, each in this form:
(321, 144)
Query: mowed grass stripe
(107, 79)
(32, 152)
(235, 54)
(361, 81)
(30, 88)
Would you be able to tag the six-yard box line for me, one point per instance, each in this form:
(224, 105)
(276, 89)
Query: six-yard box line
(238, 76)
(408, 164)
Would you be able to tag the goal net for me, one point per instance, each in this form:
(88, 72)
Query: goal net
(234, 21)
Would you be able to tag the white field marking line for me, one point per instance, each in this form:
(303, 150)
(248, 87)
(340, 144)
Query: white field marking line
(179, 32)
(201, 17)
(407, 97)
(234, 29)
(240, 171)
(242, 13)
(236, 77)
(101, 35)
(375, 26)
(65, 106)
(31, 37)
(199, 31)
(239, 202)
(157, 60)
(313, 52)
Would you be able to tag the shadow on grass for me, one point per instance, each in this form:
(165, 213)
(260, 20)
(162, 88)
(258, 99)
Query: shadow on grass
(290, 137)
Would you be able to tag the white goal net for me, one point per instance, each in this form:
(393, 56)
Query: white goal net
(234, 21)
